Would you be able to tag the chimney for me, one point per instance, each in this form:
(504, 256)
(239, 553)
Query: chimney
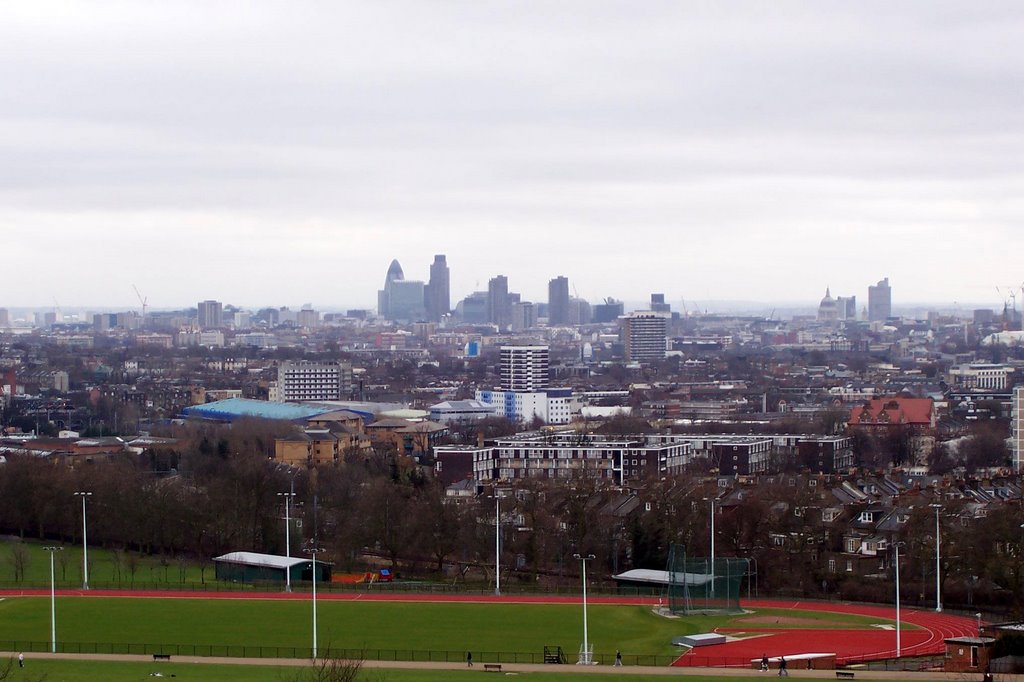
(479, 439)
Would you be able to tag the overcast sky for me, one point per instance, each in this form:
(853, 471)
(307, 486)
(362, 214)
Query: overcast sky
(275, 153)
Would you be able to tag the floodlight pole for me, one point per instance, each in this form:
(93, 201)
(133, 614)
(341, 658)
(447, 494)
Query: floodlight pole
(53, 600)
(712, 500)
(287, 539)
(585, 656)
(497, 545)
(85, 545)
(938, 563)
(898, 648)
(313, 550)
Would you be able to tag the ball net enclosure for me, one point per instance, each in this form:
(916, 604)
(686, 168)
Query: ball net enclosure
(699, 585)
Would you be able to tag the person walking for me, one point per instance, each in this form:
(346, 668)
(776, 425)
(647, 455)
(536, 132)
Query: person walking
(469, 659)
(782, 667)
(618, 658)
(764, 663)
(21, 660)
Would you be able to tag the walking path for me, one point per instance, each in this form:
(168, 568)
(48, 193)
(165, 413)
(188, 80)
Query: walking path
(525, 667)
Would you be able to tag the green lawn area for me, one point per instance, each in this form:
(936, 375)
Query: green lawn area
(104, 567)
(819, 620)
(385, 630)
(366, 625)
(105, 671)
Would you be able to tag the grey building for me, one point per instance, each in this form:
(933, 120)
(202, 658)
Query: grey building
(499, 305)
(558, 301)
(437, 293)
(401, 299)
(210, 314)
(880, 301)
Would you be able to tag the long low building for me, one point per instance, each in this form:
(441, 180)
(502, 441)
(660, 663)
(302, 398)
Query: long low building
(620, 459)
(628, 459)
(249, 567)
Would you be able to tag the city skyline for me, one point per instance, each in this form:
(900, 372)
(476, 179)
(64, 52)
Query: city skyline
(1011, 296)
(710, 152)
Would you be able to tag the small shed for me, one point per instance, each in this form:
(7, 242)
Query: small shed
(967, 654)
(249, 567)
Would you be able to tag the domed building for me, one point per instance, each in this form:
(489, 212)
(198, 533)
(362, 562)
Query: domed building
(828, 309)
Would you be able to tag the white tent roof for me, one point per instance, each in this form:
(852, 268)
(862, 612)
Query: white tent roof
(255, 559)
(646, 575)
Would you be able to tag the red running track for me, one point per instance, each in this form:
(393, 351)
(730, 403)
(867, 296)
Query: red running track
(850, 646)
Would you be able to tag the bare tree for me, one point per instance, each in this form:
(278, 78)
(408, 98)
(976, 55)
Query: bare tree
(19, 560)
(132, 560)
(64, 560)
(331, 669)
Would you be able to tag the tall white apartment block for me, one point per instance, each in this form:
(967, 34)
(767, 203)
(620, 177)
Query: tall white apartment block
(304, 380)
(1017, 428)
(645, 335)
(524, 368)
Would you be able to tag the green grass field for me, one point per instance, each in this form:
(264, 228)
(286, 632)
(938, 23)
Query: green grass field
(105, 671)
(382, 629)
(104, 568)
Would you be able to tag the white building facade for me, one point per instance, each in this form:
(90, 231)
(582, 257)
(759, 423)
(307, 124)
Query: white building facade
(302, 381)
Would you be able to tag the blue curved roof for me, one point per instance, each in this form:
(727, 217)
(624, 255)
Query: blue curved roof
(238, 408)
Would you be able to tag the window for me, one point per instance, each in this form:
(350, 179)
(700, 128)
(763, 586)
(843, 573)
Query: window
(831, 565)
(849, 567)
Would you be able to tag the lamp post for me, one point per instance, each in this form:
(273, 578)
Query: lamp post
(53, 600)
(712, 590)
(497, 543)
(85, 544)
(312, 550)
(288, 497)
(938, 564)
(586, 656)
(896, 546)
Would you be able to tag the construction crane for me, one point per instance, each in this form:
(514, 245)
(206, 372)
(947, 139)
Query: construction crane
(1010, 295)
(143, 302)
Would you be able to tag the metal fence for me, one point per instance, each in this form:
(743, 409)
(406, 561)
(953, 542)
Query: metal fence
(340, 588)
(242, 651)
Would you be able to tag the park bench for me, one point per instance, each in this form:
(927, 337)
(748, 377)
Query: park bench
(844, 674)
(161, 657)
(492, 667)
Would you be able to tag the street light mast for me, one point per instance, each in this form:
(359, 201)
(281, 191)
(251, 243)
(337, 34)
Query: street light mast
(85, 544)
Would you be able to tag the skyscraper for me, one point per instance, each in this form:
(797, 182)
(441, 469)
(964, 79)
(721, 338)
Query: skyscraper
(210, 314)
(644, 334)
(558, 301)
(401, 299)
(437, 293)
(880, 301)
(499, 306)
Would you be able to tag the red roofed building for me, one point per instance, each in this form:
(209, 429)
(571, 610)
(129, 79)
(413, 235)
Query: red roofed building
(883, 417)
